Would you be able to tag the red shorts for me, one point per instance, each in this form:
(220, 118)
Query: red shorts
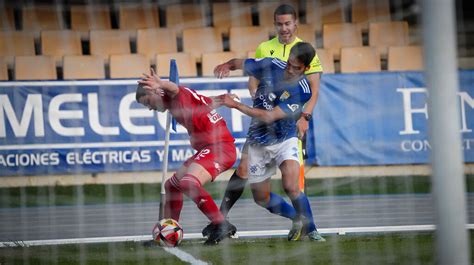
(215, 158)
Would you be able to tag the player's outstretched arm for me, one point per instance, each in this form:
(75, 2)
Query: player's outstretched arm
(266, 116)
(223, 70)
(152, 83)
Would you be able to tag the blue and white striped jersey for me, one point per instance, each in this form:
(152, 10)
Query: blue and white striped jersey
(274, 91)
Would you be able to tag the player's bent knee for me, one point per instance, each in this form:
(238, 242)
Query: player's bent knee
(260, 199)
(292, 192)
(172, 184)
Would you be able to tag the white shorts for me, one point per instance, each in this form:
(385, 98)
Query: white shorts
(263, 160)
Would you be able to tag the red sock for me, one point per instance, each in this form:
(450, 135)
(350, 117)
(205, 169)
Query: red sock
(173, 199)
(191, 186)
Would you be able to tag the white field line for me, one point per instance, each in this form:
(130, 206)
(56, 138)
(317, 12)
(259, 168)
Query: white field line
(184, 256)
(261, 233)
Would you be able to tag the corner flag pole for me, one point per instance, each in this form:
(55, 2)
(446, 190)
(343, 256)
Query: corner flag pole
(174, 77)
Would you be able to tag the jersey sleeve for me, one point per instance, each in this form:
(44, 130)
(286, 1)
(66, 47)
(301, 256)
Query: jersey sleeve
(315, 66)
(298, 95)
(258, 51)
(255, 67)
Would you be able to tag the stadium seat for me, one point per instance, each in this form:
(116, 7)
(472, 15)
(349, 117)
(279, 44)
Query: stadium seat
(158, 40)
(3, 69)
(35, 68)
(90, 17)
(186, 64)
(7, 19)
(197, 41)
(405, 58)
(42, 17)
(184, 16)
(16, 43)
(107, 42)
(245, 39)
(211, 60)
(366, 11)
(327, 61)
(320, 12)
(83, 67)
(360, 59)
(307, 33)
(58, 43)
(337, 36)
(385, 34)
(128, 65)
(138, 16)
(231, 14)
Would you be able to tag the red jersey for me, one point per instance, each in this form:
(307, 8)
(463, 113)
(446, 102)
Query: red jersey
(205, 126)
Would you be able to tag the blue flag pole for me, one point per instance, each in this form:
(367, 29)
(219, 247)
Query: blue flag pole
(174, 77)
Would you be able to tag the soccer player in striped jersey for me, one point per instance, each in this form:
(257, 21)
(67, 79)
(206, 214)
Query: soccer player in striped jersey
(272, 139)
(286, 25)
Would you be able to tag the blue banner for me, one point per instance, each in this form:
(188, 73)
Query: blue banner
(74, 127)
(382, 119)
(97, 126)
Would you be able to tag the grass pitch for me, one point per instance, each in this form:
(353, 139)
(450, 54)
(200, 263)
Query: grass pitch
(397, 248)
(389, 248)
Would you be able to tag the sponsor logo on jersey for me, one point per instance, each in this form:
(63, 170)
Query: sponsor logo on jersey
(293, 107)
(214, 116)
(285, 95)
(271, 52)
(271, 97)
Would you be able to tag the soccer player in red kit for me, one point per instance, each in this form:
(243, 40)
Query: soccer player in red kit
(209, 136)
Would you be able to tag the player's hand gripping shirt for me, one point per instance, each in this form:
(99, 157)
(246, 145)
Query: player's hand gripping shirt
(274, 91)
(274, 49)
(205, 126)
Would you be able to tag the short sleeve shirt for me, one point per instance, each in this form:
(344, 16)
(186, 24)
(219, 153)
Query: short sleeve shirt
(274, 49)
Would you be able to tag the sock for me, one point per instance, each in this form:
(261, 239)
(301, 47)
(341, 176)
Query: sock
(191, 186)
(277, 205)
(302, 207)
(173, 199)
(232, 193)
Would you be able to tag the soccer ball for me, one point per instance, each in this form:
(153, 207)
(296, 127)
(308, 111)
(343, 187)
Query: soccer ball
(168, 232)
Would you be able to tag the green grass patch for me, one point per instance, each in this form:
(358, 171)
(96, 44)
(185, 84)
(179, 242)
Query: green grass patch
(139, 192)
(390, 248)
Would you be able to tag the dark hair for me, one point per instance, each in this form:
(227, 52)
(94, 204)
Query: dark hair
(304, 52)
(284, 10)
(141, 91)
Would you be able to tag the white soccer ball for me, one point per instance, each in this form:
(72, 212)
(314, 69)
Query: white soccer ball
(168, 232)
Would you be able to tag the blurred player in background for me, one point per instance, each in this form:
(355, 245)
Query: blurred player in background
(286, 25)
(211, 139)
(272, 140)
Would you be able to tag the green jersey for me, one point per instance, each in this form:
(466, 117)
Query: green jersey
(273, 48)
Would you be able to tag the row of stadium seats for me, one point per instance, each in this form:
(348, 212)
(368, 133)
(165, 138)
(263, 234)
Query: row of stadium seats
(76, 67)
(195, 41)
(132, 16)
